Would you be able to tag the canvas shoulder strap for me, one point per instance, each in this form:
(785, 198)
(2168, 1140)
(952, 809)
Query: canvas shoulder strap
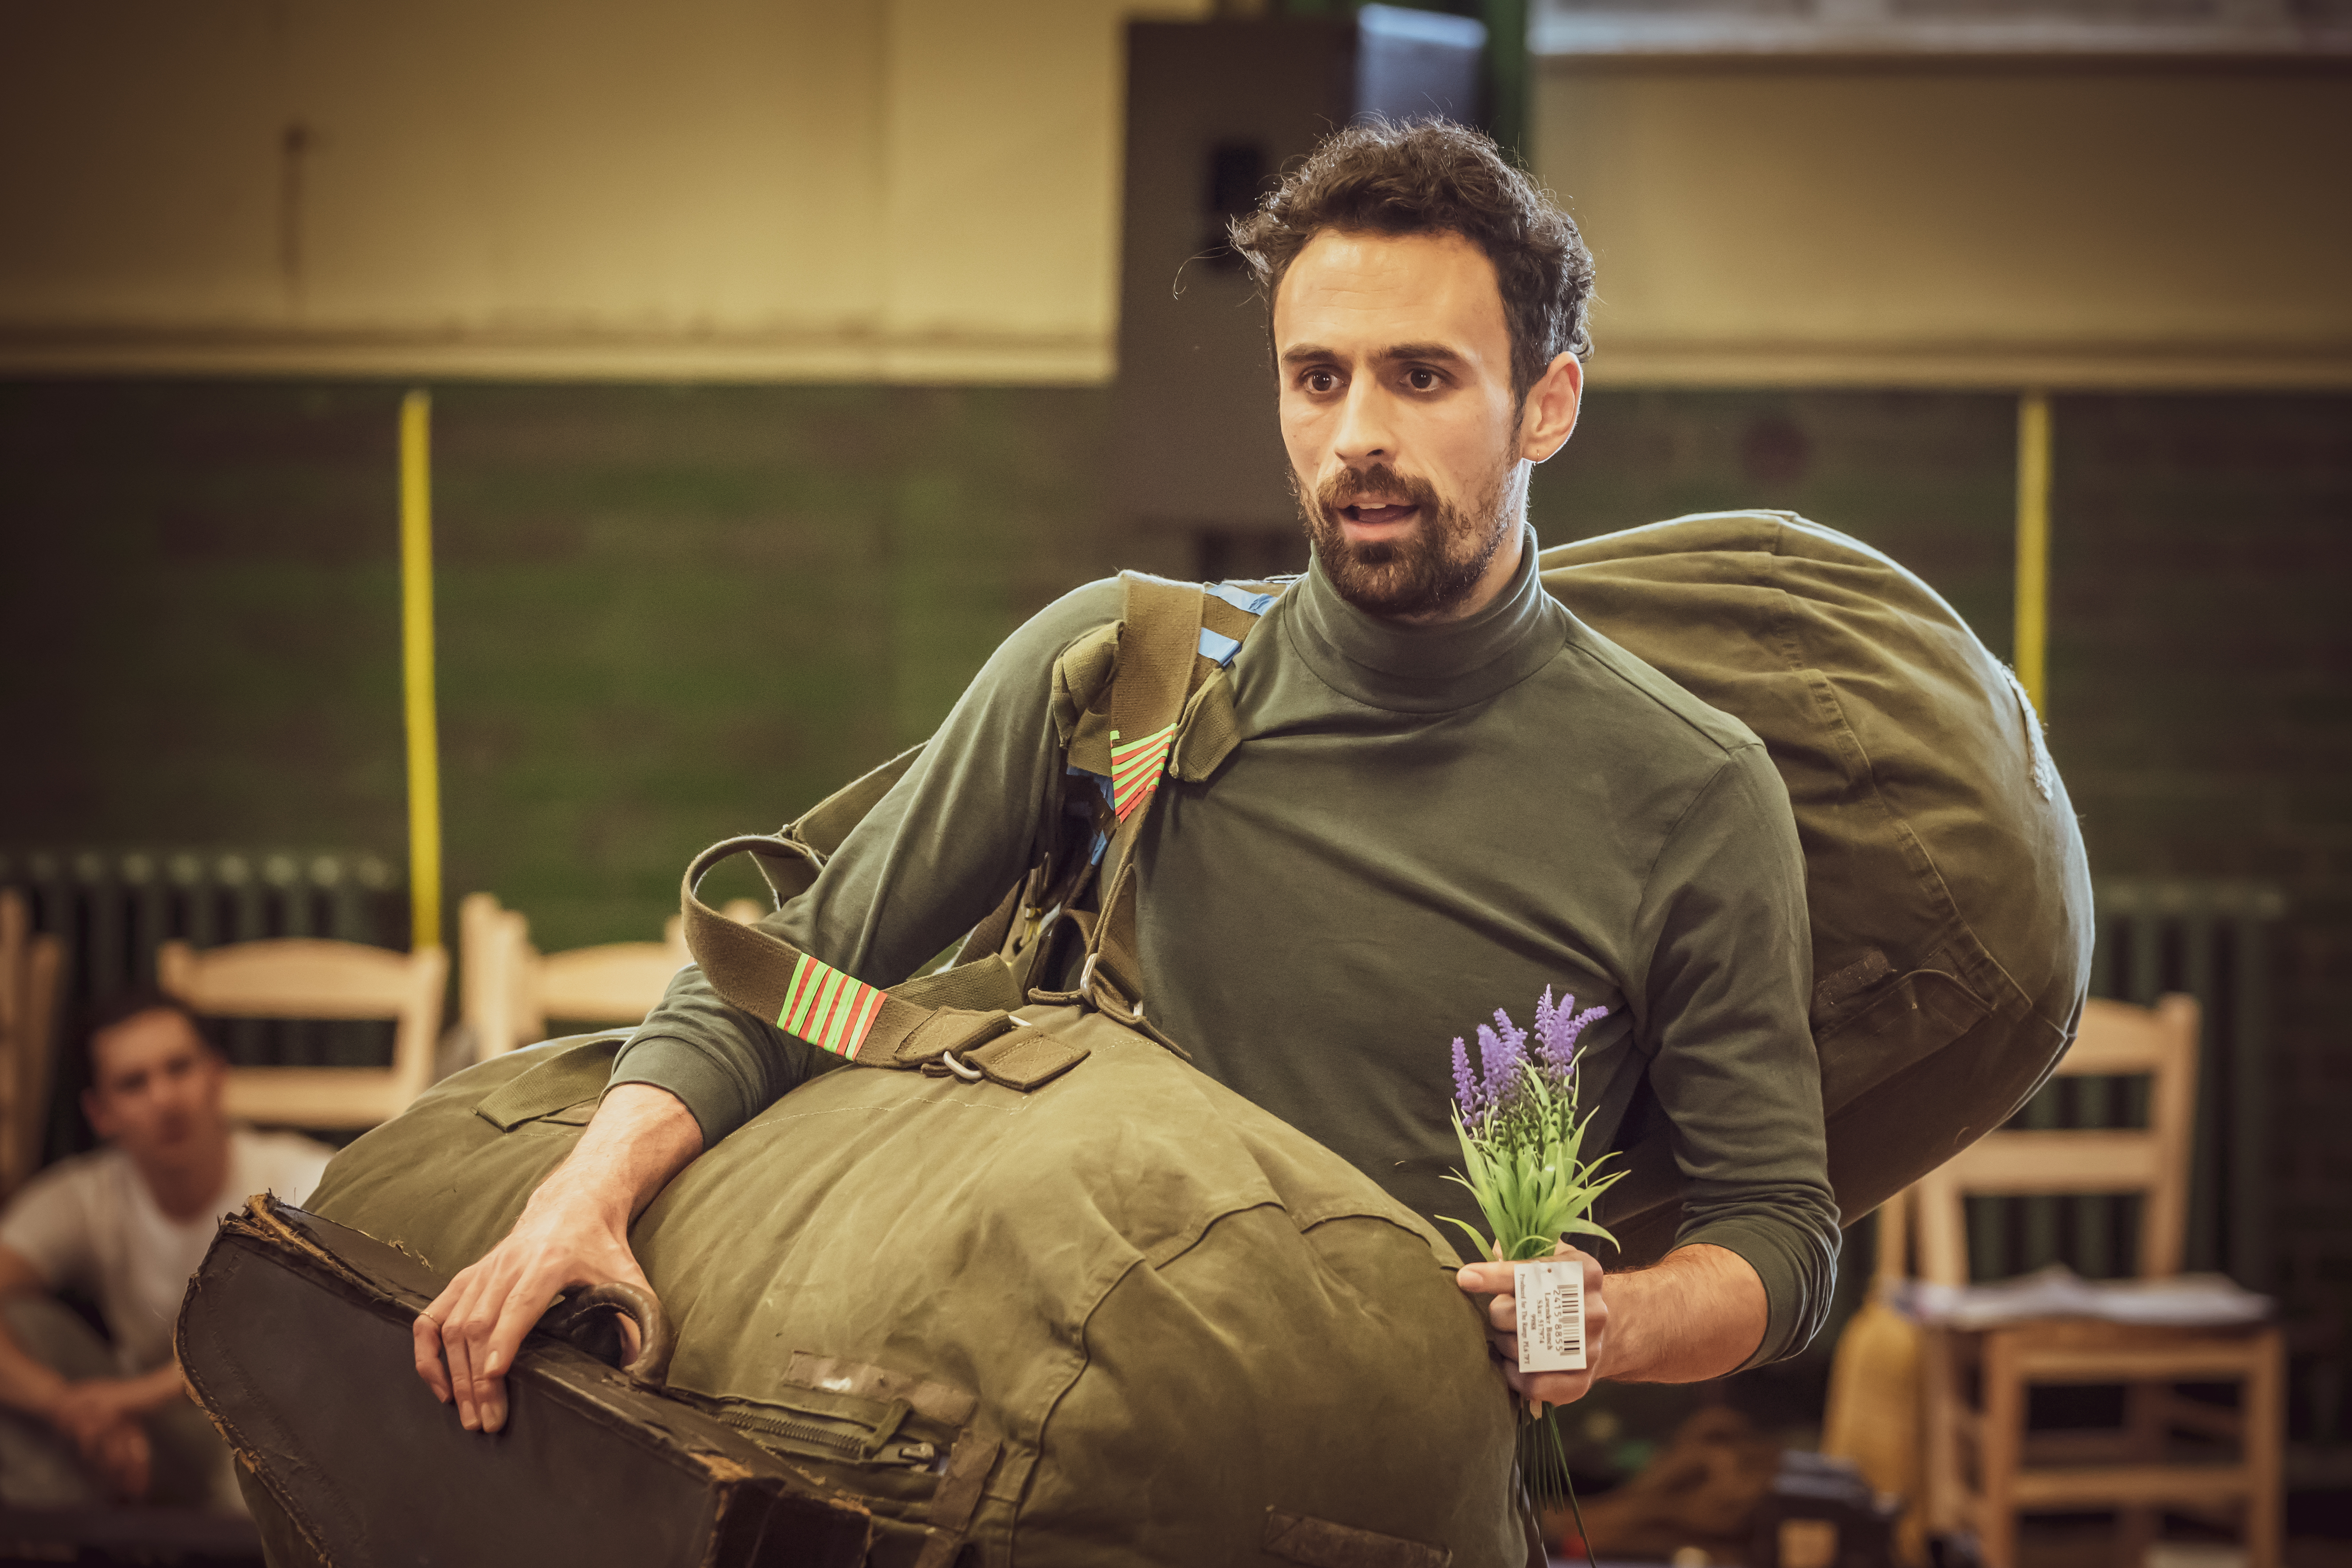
(1159, 695)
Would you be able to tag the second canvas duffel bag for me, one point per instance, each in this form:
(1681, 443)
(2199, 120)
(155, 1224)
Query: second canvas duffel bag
(1123, 1316)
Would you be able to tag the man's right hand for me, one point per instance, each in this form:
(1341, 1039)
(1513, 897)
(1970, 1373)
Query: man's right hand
(574, 1231)
(95, 1417)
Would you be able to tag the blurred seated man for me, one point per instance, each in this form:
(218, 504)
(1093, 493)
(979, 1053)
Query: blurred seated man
(82, 1421)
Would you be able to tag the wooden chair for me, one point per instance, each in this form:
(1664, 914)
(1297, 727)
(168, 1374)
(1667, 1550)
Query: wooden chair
(313, 978)
(1983, 1468)
(509, 990)
(30, 965)
(1873, 1410)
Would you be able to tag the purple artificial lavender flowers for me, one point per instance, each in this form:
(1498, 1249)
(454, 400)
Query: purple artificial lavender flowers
(1504, 1058)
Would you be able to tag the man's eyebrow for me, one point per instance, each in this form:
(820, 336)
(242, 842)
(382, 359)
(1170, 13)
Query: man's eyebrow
(1438, 352)
(1433, 353)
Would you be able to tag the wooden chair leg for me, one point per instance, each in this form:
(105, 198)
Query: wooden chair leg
(2265, 1445)
(2001, 1440)
(2144, 1440)
(1939, 1381)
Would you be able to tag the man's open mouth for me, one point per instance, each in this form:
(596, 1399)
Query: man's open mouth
(1374, 516)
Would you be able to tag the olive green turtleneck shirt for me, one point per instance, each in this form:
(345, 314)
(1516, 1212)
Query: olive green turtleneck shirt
(1420, 827)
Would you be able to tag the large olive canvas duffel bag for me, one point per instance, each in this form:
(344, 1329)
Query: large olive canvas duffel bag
(1147, 1322)
(1124, 1317)
(1949, 894)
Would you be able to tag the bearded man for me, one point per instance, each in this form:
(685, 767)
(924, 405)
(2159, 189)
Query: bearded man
(1450, 795)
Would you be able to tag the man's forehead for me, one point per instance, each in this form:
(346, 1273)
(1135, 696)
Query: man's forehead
(144, 1037)
(1382, 291)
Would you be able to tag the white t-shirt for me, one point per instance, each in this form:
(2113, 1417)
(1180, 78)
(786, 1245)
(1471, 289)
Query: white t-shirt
(89, 1222)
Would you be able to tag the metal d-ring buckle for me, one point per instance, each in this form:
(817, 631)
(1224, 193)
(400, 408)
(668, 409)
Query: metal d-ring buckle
(969, 1074)
(1125, 1012)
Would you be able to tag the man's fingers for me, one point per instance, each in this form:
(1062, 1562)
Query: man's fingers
(123, 1456)
(1550, 1387)
(425, 1335)
(1485, 1279)
(430, 1332)
(524, 1305)
(139, 1459)
(460, 1347)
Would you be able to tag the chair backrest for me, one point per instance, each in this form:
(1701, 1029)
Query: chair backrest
(2115, 1040)
(304, 978)
(511, 990)
(30, 966)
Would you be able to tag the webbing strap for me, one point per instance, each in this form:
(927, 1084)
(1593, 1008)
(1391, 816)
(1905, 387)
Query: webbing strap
(1166, 653)
(1158, 636)
(903, 1027)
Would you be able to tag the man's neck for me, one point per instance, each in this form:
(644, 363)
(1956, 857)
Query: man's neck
(189, 1189)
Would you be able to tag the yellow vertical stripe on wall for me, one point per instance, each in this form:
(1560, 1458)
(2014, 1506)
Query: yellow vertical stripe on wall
(2033, 545)
(416, 668)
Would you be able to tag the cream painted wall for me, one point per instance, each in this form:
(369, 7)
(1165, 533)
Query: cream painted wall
(916, 190)
(900, 190)
(1909, 223)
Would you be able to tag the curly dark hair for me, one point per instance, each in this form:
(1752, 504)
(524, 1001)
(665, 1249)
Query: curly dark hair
(1377, 176)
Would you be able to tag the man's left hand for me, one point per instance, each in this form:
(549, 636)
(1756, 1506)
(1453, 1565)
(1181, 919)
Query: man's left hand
(1495, 1279)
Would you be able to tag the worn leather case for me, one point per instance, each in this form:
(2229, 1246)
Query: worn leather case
(295, 1338)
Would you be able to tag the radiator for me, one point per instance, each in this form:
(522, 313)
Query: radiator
(2212, 941)
(112, 908)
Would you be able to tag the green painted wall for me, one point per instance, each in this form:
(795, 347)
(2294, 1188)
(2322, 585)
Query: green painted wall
(670, 614)
(663, 615)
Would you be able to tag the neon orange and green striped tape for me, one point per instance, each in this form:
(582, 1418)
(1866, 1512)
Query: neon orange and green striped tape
(1136, 767)
(830, 1010)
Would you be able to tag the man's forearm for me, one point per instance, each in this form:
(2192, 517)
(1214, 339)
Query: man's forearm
(639, 1138)
(151, 1391)
(26, 1384)
(1699, 1312)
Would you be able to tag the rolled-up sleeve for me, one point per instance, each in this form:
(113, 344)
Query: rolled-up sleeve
(1734, 1067)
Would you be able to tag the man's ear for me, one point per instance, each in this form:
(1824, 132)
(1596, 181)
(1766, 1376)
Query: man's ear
(93, 1107)
(1548, 415)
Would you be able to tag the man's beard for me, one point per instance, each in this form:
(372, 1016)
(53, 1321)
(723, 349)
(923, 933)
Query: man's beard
(1427, 573)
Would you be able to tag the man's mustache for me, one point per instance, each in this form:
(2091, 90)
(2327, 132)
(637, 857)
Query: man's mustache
(1342, 487)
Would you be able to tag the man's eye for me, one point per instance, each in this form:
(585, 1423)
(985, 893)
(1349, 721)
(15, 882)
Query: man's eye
(1321, 381)
(1421, 379)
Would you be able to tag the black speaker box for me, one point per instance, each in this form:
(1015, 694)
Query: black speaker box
(1216, 109)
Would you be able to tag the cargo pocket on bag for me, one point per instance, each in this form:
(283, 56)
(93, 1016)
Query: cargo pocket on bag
(562, 1091)
(1906, 1022)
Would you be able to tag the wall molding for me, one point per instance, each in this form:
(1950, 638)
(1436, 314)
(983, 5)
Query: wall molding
(1040, 359)
(2071, 367)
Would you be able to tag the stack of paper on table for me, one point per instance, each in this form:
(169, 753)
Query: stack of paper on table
(2184, 1302)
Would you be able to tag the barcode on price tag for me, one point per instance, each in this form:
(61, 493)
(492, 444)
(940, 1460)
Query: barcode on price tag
(1551, 1315)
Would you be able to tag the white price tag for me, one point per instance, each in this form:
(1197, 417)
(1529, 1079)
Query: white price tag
(1551, 1315)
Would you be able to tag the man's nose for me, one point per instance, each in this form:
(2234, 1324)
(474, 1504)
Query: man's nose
(1366, 433)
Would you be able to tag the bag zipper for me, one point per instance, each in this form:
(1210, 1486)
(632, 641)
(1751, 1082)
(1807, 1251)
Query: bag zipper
(845, 1436)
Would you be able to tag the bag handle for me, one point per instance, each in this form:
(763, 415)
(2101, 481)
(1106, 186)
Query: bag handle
(586, 1319)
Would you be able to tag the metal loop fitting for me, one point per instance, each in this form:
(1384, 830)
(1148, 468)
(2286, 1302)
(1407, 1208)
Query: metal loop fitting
(969, 1074)
(1111, 1006)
